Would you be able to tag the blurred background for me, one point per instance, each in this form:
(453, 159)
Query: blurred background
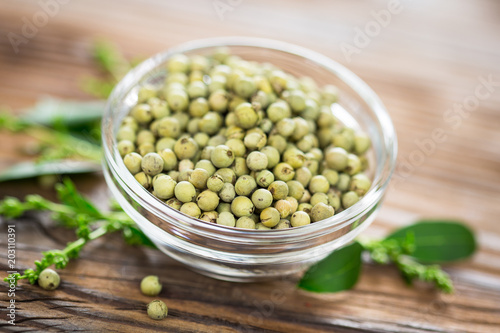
(434, 64)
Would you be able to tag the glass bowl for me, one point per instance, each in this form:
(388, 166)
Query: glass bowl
(250, 255)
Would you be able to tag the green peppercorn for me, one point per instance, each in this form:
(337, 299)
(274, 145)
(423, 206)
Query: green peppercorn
(178, 63)
(294, 157)
(349, 199)
(246, 116)
(169, 127)
(264, 178)
(316, 198)
(306, 197)
(157, 310)
(215, 183)
(142, 113)
(343, 183)
(199, 178)
(227, 193)
(227, 219)
(191, 209)
(152, 164)
(353, 164)
(256, 161)
(262, 198)
(300, 219)
(159, 108)
(321, 211)
(295, 189)
(237, 147)
(244, 86)
(334, 199)
(209, 216)
(283, 224)
(305, 207)
(126, 133)
(222, 156)
(133, 162)
(294, 204)
(218, 100)
(206, 165)
(227, 174)
(218, 82)
(278, 142)
(283, 171)
(360, 183)
(174, 203)
(185, 148)
(245, 185)
(143, 179)
(283, 207)
(150, 285)
(297, 100)
(336, 158)
(165, 143)
(240, 167)
(279, 189)
(131, 123)
(197, 89)
(242, 206)
(255, 141)
(164, 187)
(186, 165)
(278, 111)
(210, 123)
(260, 226)
(207, 200)
(319, 184)
(270, 217)
(146, 148)
(125, 147)
(49, 279)
(245, 222)
(206, 153)
(185, 191)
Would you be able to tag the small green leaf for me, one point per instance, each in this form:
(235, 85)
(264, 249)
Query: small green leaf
(339, 271)
(51, 111)
(69, 196)
(26, 170)
(438, 241)
(134, 236)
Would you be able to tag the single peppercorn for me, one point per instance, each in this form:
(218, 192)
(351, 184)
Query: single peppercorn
(157, 310)
(49, 279)
(150, 285)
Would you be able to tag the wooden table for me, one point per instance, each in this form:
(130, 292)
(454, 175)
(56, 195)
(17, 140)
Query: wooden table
(428, 57)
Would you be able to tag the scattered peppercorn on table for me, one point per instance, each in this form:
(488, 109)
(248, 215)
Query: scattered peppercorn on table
(427, 77)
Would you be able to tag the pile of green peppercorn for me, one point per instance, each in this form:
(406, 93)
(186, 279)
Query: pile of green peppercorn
(243, 144)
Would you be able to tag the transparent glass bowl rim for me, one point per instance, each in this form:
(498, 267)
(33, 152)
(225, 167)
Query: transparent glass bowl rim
(166, 213)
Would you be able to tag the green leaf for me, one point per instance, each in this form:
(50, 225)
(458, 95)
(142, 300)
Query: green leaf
(68, 195)
(438, 241)
(134, 236)
(339, 271)
(51, 111)
(26, 170)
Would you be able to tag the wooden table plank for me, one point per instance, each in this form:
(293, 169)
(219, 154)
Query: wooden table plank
(429, 57)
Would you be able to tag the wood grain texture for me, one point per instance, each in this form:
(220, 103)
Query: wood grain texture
(429, 58)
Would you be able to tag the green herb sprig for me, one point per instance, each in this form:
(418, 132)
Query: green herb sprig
(113, 65)
(52, 144)
(414, 250)
(76, 212)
